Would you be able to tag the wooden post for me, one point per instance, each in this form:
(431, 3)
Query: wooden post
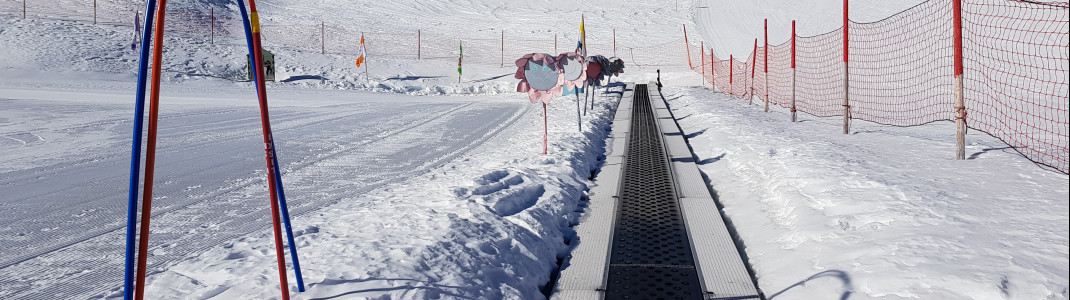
(765, 64)
(418, 46)
(687, 47)
(793, 116)
(323, 38)
(960, 106)
(846, 77)
(713, 72)
(503, 48)
(365, 58)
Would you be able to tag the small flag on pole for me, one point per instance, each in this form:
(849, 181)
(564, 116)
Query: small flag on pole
(137, 30)
(581, 46)
(460, 58)
(360, 60)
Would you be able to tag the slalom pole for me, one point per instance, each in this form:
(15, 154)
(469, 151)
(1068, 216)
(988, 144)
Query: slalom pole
(135, 156)
(278, 174)
(150, 153)
(253, 25)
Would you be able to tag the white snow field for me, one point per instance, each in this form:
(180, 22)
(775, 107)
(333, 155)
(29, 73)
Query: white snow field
(409, 185)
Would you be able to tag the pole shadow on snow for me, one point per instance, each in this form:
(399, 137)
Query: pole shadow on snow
(408, 78)
(433, 290)
(492, 78)
(986, 150)
(303, 77)
(848, 288)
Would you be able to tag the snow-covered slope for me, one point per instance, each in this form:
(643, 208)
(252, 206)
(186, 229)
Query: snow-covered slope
(407, 184)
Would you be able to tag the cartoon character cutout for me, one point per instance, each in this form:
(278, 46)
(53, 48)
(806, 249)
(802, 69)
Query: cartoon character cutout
(540, 76)
(573, 69)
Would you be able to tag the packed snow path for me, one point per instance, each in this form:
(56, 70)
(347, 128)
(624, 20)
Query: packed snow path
(62, 222)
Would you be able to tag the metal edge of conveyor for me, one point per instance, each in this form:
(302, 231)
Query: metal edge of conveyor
(676, 184)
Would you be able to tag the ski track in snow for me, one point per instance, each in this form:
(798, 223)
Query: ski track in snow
(200, 149)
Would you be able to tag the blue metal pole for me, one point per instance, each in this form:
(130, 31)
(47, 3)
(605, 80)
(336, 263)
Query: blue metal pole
(286, 220)
(135, 156)
(275, 161)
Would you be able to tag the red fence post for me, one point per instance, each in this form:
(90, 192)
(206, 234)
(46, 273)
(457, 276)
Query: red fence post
(846, 76)
(687, 47)
(793, 116)
(960, 107)
(713, 71)
(753, 62)
(765, 64)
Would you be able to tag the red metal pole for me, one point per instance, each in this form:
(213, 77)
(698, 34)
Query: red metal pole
(765, 64)
(265, 123)
(687, 47)
(754, 59)
(846, 75)
(792, 44)
(845, 23)
(753, 63)
(793, 110)
(960, 106)
(150, 154)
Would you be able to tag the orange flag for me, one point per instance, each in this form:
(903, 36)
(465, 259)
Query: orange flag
(360, 60)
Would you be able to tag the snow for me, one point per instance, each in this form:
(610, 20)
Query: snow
(407, 184)
(882, 213)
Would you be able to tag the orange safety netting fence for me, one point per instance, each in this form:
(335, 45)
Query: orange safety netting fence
(223, 26)
(901, 71)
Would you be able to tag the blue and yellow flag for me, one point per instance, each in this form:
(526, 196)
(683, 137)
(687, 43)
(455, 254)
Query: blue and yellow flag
(581, 46)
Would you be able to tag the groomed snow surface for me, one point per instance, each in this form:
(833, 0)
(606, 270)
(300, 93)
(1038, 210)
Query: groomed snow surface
(408, 185)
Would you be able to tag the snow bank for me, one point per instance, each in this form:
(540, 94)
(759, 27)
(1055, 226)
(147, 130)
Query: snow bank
(882, 213)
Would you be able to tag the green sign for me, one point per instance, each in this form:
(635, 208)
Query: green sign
(269, 66)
